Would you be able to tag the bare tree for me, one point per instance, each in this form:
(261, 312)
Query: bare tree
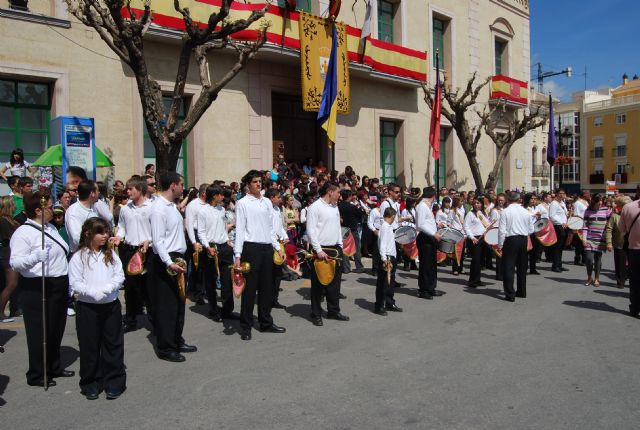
(491, 120)
(124, 33)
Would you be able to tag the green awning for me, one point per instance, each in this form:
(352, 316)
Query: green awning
(53, 157)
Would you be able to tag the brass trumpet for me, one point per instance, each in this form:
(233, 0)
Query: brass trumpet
(180, 262)
(328, 251)
(278, 258)
(213, 246)
(182, 285)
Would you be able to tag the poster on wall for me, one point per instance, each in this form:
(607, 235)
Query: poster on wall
(77, 137)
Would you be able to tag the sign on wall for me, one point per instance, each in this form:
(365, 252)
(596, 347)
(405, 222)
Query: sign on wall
(77, 137)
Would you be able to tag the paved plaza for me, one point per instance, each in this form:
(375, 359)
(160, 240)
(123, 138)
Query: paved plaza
(567, 357)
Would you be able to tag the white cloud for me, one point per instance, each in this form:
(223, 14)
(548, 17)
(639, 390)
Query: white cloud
(557, 91)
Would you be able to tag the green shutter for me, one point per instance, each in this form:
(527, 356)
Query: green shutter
(388, 132)
(385, 21)
(438, 41)
(499, 51)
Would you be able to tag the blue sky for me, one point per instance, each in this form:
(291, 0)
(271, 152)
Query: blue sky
(603, 36)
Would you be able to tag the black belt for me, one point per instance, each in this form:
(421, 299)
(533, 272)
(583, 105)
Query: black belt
(174, 255)
(132, 247)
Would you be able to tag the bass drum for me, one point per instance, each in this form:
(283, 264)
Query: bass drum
(405, 235)
(491, 237)
(449, 239)
(348, 242)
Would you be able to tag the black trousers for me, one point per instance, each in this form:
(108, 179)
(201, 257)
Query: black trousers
(428, 268)
(375, 254)
(258, 280)
(384, 289)
(559, 246)
(331, 291)
(195, 282)
(168, 308)
(276, 279)
(101, 341)
(535, 252)
(225, 259)
(578, 246)
(514, 257)
(634, 280)
(135, 287)
(477, 260)
(620, 262)
(56, 294)
(487, 257)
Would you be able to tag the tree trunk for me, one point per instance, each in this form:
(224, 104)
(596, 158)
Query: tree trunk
(167, 154)
(492, 180)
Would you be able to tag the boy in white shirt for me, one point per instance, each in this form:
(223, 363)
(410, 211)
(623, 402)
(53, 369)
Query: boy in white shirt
(387, 269)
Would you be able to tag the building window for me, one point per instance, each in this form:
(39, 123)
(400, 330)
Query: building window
(501, 56)
(442, 162)
(388, 138)
(439, 27)
(620, 149)
(598, 170)
(621, 118)
(597, 121)
(598, 150)
(25, 114)
(386, 13)
(150, 150)
(303, 5)
(620, 168)
(19, 5)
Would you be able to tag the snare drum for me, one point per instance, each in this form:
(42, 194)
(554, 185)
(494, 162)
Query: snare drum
(491, 236)
(405, 235)
(540, 225)
(575, 223)
(449, 239)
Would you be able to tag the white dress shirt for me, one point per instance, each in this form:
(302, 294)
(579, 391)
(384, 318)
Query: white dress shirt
(323, 225)
(212, 227)
(388, 203)
(191, 218)
(253, 223)
(26, 240)
(278, 224)
(92, 279)
(515, 221)
(375, 219)
(557, 213)
(442, 218)
(456, 218)
(473, 227)
(103, 210)
(167, 229)
(542, 210)
(74, 218)
(386, 241)
(134, 225)
(494, 216)
(425, 222)
(579, 208)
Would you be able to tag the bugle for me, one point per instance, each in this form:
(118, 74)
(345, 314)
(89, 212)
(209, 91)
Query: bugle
(238, 281)
(182, 286)
(325, 269)
(214, 247)
(278, 256)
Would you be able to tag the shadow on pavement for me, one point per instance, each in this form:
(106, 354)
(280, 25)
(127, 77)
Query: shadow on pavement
(597, 306)
(4, 382)
(365, 304)
(200, 309)
(6, 335)
(565, 280)
(367, 281)
(299, 311)
(491, 292)
(619, 293)
(68, 356)
(304, 292)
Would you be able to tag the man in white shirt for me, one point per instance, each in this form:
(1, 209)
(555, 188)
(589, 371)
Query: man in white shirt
(514, 227)
(214, 237)
(558, 216)
(374, 222)
(427, 243)
(579, 208)
(133, 234)
(169, 244)
(151, 187)
(195, 287)
(255, 243)
(273, 194)
(86, 207)
(323, 229)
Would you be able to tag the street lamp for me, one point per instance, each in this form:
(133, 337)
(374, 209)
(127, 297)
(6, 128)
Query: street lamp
(561, 135)
(568, 72)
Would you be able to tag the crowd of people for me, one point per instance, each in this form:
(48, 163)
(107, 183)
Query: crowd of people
(163, 245)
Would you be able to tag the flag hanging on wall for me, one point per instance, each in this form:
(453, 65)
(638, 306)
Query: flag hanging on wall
(328, 113)
(434, 130)
(551, 146)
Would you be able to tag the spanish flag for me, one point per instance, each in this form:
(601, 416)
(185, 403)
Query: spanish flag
(328, 113)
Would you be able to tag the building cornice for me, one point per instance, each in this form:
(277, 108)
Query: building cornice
(35, 18)
(519, 7)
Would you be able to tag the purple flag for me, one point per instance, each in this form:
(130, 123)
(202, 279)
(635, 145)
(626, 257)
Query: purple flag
(552, 147)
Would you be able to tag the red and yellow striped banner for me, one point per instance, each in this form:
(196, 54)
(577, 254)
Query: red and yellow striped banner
(512, 90)
(380, 56)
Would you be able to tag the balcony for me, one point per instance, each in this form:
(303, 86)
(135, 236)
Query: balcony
(597, 153)
(619, 151)
(620, 178)
(511, 91)
(541, 171)
(596, 178)
(612, 103)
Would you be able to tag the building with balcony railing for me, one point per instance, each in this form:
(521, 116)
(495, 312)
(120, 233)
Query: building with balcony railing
(611, 137)
(259, 115)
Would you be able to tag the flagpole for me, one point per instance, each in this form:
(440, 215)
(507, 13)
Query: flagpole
(364, 49)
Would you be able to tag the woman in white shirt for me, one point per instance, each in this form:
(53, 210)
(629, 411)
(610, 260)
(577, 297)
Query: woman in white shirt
(475, 224)
(456, 221)
(96, 275)
(16, 166)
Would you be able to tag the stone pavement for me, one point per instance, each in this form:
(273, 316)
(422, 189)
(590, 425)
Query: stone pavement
(566, 357)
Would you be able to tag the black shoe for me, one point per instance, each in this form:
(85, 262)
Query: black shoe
(380, 311)
(317, 322)
(217, 317)
(490, 267)
(337, 317)
(199, 302)
(246, 335)
(472, 285)
(231, 316)
(437, 293)
(171, 356)
(278, 305)
(509, 299)
(114, 394)
(342, 296)
(129, 327)
(40, 383)
(398, 285)
(280, 289)
(482, 284)
(187, 348)
(346, 272)
(393, 308)
(425, 295)
(534, 272)
(91, 394)
(522, 296)
(562, 269)
(358, 270)
(64, 374)
(273, 329)
(556, 270)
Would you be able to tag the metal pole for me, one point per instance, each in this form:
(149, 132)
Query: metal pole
(438, 180)
(560, 166)
(43, 204)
